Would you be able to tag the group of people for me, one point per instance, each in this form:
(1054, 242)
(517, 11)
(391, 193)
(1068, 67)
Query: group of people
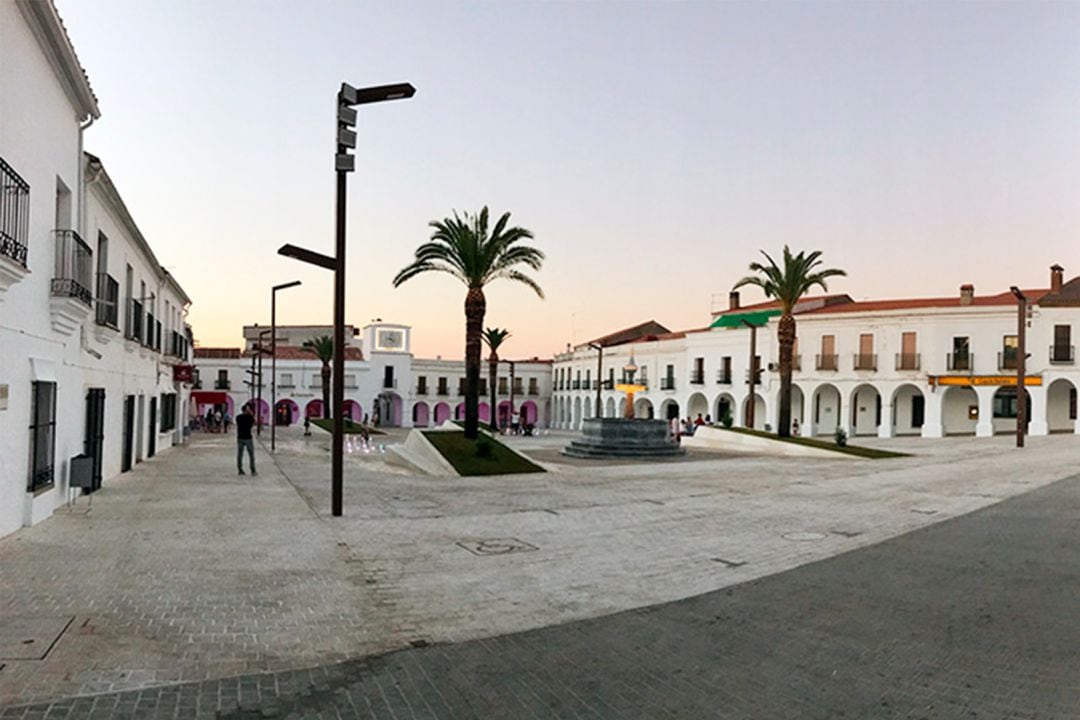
(687, 426)
(215, 421)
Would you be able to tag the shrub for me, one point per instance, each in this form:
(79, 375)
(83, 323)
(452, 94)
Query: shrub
(726, 420)
(840, 437)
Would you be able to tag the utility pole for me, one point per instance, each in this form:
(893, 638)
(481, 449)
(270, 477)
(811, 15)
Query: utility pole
(753, 375)
(599, 372)
(1021, 366)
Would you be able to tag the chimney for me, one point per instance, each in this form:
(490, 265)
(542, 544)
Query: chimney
(967, 293)
(1057, 277)
(733, 300)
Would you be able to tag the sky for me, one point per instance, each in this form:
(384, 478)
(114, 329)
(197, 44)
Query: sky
(653, 149)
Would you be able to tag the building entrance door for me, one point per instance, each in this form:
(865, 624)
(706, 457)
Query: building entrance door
(129, 432)
(151, 439)
(93, 443)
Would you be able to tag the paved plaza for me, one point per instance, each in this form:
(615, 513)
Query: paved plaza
(183, 590)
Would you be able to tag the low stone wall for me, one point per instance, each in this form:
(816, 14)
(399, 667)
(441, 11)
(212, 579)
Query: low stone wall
(710, 438)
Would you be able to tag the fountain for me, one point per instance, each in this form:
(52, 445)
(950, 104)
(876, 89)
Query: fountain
(625, 437)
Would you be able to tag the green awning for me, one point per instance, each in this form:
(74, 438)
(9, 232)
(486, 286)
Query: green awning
(735, 320)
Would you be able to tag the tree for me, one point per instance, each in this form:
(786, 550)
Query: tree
(788, 284)
(464, 248)
(323, 347)
(494, 338)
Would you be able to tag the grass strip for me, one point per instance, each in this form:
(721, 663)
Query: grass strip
(863, 452)
(469, 458)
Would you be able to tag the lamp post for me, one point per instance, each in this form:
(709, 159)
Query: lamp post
(347, 98)
(599, 372)
(273, 357)
(750, 407)
(260, 351)
(1021, 365)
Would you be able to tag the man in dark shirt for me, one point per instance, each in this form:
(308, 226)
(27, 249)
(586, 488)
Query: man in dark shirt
(244, 422)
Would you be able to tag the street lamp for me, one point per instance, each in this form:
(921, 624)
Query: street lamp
(599, 372)
(259, 352)
(273, 357)
(347, 97)
(751, 407)
(1021, 365)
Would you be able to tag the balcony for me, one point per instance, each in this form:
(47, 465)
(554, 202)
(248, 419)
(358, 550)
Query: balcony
(866, 361)
(960, 362)
(697, 377)
(389, 383)
(148, 341)
(14, 220)
(1008, 360)
(723, 377)
(576, 385)
(908, 361)
(827, 362)
(1062, 354)
(421, 389)
(73, 262)
(133, 329)
(520, 389)
(220, 384)
(534, 390)
(443, 390)
(667, 383)
(108, 301)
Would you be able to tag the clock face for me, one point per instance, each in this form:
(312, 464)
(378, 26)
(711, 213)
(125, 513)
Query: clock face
(391, 339)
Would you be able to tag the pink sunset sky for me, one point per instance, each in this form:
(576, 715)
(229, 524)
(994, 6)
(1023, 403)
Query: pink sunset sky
(653, 149)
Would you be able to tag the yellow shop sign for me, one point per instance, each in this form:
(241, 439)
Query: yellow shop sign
(974, 380)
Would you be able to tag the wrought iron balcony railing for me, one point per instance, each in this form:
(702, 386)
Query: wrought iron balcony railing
(697, 377)
(827, 362)
(576, 385)
(74, 269)
(421, 389)
(865, 361)
(443, 390)
(1062, 354)
(1007, 361)
(534, 390)
(133, 326)
(14, 214)
(960, 362)
(667, 383)
(220, 384)
(908, 361)
(108, 301)
(389, 383)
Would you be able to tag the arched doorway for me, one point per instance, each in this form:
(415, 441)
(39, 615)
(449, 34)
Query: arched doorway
(529, 413)
(313, 409)
(724, 407)
(798, 408)
(826, 409)
(669, 410)
(577, 413)
(609, 407)
(285, 413)
(1061, 406)
(908, 410)
(643, 408)
(420, 414)
(353, 410)
(263, 411)
(1005, 409)
(865, 410)
(442, 413)
(459, 411)
(696, 405)
(759, 412)
(959, 411)
(388, 410)
(484, 411)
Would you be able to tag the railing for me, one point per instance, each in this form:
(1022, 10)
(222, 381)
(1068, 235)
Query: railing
(14, 214)
(519, 389)
(576, 385)
(865, 361)
(667, 383)
(908, 361)
(697, 377)
(443, 390)
(460, 390)
(421, 389)
(148, 341)
(133, 329)
(534, 390)
(220, 384)
(389, 383)
(73, 276)
(178, 345)
(1007, 361)
(960, 362)
(1062, 354)
(723, 377)
(827, 362)
(108, 301)
(796, 363)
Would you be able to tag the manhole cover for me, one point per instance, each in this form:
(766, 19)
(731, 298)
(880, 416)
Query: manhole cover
(496, 546)
(803, 536)
(30, 638)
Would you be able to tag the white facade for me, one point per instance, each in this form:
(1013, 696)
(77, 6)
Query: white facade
(952, 377)
(66, 370)
(382, 380)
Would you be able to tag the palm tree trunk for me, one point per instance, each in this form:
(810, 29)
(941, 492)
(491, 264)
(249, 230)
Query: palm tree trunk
(493, 373)
(786, 337)
(326, 390)
(475, 306)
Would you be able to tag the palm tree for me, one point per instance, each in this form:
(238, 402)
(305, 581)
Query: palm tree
(494, 338)
(464, 248)
(788, 284)
(323, 347)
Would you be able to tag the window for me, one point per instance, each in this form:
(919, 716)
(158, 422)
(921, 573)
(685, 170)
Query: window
(421, 385)
(42, 435)
(827, 359)
(442, 386)
(502, 386)
(286, 380)
(1005, 404)
(668, 382)
(168, 412)
(534, 387)
(918, 411)
(14, 214)
(388, 377)
(699, 371)
(610, 381)
(350, 381)
(725, 370)
(1062, 351)
(222, 380)
(1010, 347)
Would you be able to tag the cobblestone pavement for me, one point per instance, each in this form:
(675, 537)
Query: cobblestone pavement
(971, 618)
(181, 572)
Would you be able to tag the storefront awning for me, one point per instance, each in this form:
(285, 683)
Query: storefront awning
(736, 320)
(209, 397)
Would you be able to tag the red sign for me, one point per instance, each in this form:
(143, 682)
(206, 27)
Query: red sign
(183, 373)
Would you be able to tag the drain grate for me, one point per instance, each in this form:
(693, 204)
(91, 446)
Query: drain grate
(30, 638)
(847, 533)
(497, 546)
(730, 563)
(924, 512)
(803, 536)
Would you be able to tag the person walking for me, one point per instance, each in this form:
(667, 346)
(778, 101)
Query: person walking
(244, 422)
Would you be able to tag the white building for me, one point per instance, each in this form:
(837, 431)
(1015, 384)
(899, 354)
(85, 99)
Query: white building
(91, 326)
(382, 379)
(921, 366)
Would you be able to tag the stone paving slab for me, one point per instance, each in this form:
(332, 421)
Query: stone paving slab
(181, 571)
(971, 618)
